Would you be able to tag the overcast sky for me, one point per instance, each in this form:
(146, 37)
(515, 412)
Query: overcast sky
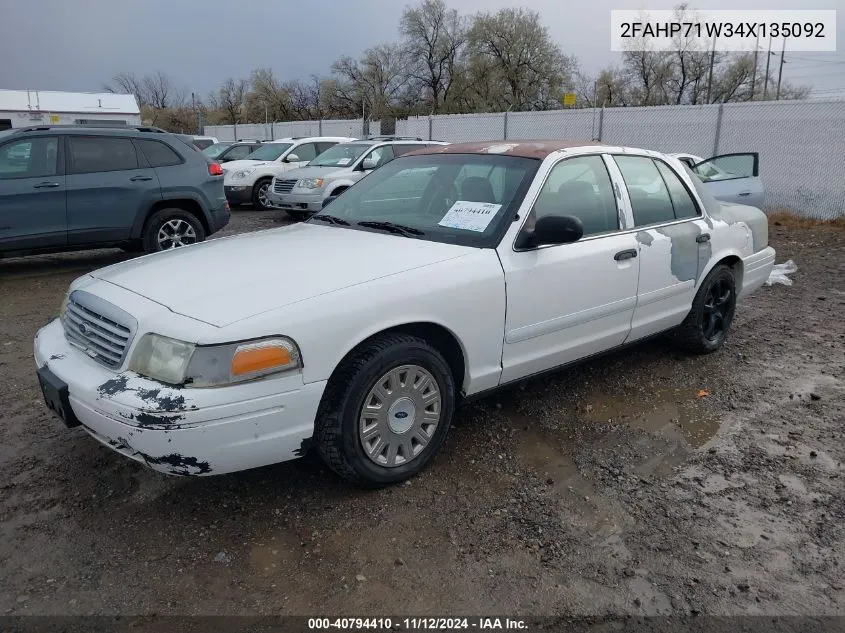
(79, 45)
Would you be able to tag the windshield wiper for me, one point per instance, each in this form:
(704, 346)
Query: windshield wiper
(331, 219)
(399, 229)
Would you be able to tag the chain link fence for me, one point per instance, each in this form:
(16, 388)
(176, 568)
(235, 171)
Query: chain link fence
(801, 143)
(269, 131)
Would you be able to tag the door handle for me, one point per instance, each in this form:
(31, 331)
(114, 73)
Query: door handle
(704, 237)
(46, 185)
(745, 193)
(622, 255)
(135, 178)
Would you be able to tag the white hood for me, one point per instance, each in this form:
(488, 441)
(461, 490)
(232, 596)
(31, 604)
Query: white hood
(225, 280)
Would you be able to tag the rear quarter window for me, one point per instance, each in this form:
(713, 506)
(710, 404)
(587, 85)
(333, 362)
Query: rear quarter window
(158, 154)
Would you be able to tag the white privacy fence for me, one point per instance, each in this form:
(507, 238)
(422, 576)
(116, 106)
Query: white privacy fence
(270, 131)
(801, 143)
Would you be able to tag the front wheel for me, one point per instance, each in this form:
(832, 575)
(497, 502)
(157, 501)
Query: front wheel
(386, 411)
(172, 228)
(260, 200)
(706, 326)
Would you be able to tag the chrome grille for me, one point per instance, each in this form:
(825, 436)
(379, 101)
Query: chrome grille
(283, 186)
(100, 329)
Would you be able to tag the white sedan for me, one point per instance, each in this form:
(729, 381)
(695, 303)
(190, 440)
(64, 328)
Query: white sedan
(446, 274)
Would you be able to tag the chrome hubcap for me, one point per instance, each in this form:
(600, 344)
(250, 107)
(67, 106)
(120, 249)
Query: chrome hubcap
(176, 233)
(399, 416)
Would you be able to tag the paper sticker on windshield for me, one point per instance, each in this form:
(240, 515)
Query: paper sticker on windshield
(470, 216)
(343, 161)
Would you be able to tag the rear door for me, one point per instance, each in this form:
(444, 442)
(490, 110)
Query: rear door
(733, 178)
(32, 194)
(672, 243)
(109, 184)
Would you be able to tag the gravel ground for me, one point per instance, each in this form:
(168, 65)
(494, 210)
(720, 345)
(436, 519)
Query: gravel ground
(647, 482)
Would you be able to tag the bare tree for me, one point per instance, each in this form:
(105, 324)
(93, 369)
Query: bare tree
(375, 82)
(129, 83)
(532, 67)
(230, 99)
(160, 91)
(434, 39)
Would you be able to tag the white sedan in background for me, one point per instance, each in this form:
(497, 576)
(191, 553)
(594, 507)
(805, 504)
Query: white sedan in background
(445, 274)
(729, 177)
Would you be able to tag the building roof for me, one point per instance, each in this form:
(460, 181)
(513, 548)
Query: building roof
(525, 148)
(77, 102)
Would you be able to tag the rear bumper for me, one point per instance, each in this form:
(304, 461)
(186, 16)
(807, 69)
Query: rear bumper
(220, 217)
(182, 431)
(238, 194)
(756, 269)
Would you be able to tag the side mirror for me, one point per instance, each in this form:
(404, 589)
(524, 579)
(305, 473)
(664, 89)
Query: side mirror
(370, 162)
(556, 229)
(292, 158)
(326, 201)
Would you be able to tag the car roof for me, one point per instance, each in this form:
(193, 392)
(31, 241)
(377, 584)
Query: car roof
(307, 139)
(531, 148)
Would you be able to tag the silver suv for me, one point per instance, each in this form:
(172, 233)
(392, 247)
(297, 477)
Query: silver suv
(300, 192)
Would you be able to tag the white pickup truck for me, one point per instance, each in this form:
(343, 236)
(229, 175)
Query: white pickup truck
(445, 274)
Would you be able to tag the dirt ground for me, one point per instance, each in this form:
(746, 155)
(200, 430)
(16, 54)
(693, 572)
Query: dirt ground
(647, 482)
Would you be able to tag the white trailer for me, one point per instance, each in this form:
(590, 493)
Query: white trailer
(25, 108)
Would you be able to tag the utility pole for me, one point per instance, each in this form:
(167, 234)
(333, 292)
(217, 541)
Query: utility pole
(768, 59)
(710, 74)
(754, 72)
(780, 72)
(196, 113)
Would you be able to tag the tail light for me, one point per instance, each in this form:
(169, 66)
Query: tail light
(215, 169)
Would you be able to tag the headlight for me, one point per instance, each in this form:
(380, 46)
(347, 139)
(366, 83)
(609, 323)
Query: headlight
(243, 173)
(309, 183)
(175, 362)
(162, 358)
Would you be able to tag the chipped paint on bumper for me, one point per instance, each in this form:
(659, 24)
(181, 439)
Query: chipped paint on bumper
(183, 431)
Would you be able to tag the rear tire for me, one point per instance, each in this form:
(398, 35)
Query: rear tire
(259, 194)
(386, 411)
(706, 327)
(171, 228)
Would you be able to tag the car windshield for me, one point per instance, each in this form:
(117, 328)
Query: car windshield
(213, 151)
(341, 155)
(270, 151)
(466, 199)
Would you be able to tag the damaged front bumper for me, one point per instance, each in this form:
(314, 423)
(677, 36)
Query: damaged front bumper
(176, 430)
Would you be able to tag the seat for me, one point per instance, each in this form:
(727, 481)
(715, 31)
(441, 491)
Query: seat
(477, 189)
(578, 198)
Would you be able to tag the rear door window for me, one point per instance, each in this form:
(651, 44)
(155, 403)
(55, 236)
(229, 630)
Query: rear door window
(92, 154)
(650, 200)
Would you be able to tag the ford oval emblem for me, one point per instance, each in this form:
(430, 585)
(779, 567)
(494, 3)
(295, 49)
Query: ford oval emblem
(401, 414)
(83, 329)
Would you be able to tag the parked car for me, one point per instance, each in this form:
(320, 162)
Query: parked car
(204, 141)
(79, 187)
(231, 150)
(730, 177)
(247, 181)
(452, 271)
(301, 192)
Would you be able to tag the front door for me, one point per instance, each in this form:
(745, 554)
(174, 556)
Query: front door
(109, 185)
(32, 194)
(569, 301)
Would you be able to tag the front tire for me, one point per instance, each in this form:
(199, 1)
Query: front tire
(259, 194)
(706, 327)
(172, 228)
(386, 411)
